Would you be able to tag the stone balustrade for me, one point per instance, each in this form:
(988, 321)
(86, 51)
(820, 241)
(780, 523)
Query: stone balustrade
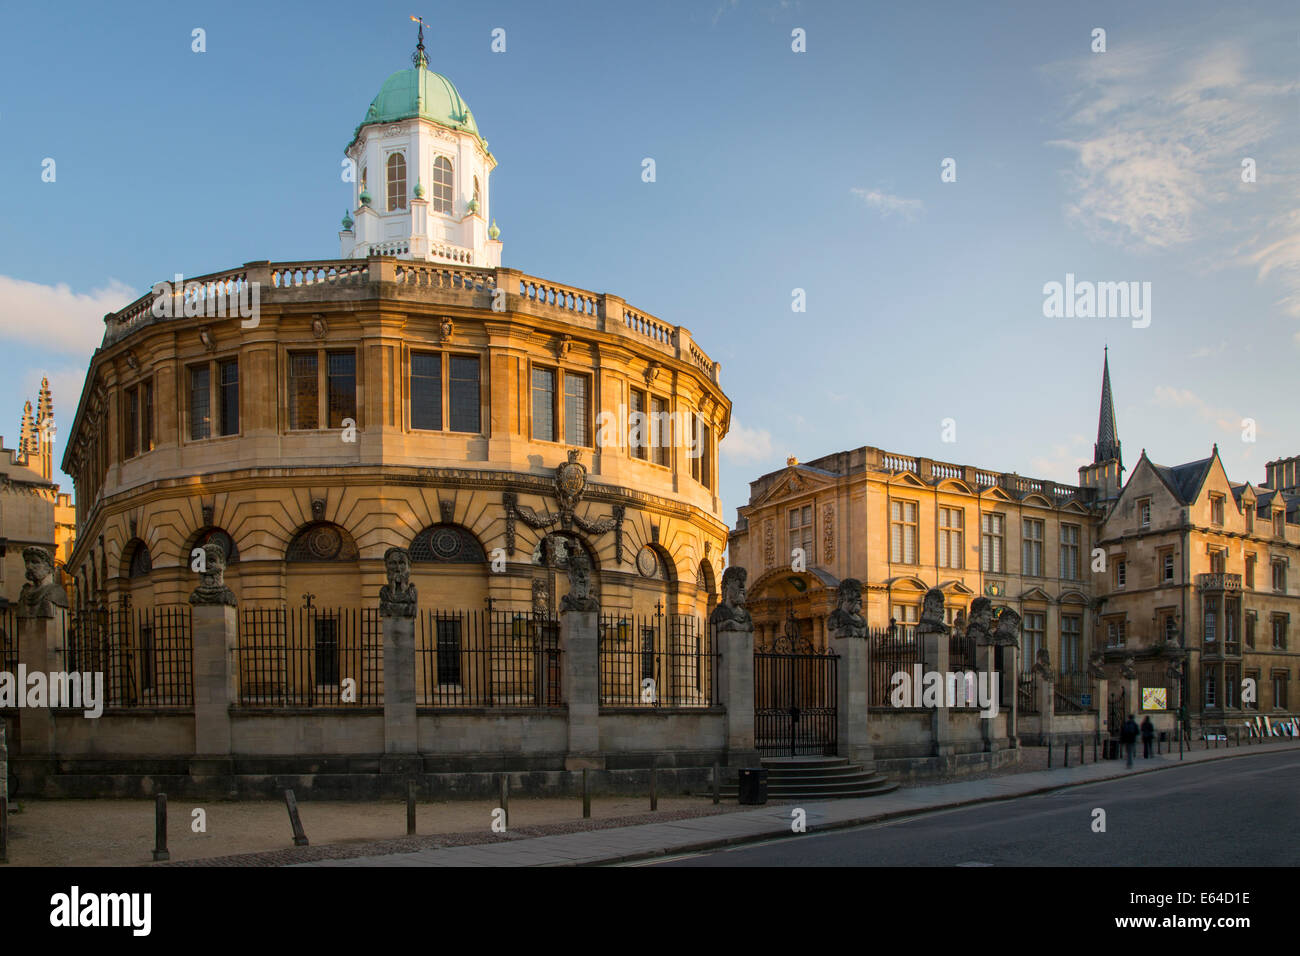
(445, 275)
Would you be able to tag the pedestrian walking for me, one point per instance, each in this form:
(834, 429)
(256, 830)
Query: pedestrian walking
(1128, 735)
(1148, 735)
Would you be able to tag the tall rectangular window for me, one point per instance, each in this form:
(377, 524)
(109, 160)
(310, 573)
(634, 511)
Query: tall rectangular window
(1279, 523)
(1167, 567)
(706, 455)
(1252, 704)
(1279, 690)
(426, 390)
(304, 411)
(661, 430)
(200, 402)
(228, 399)
(442, 184)
(697, 448)
(1216, 510)
(950, 538)
(991, 543)
(146, 417)
(1071, 643)
(1250, 517)
(1121, 574)
(1116, 632)
(464, 394)
(1210, 625)
(638, 427)
(543, 404)
(1279, 632)
(341, 387)
(1070, 552)
(1033, 548)
(1034, 626)
(131, 425)
(1144, 512)
(902, 532)
(577, 416)
(448, 651)
(1279, 576)
(396, 182)
(1218, 560)
(801, 533)
(1250, 571)
(1250, 629)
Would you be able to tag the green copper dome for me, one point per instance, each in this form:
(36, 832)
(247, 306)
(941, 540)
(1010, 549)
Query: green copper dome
(420, 92)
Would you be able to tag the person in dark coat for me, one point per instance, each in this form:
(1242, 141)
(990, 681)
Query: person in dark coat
(1128, 735)
(1148, 735)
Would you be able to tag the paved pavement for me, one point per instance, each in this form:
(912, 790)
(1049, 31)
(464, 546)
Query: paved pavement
(774, 820)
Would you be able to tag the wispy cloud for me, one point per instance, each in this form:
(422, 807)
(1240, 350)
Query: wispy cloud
(1159, 131)
(55, 317)
(887, 204)
(1167, 396)
(746, 445)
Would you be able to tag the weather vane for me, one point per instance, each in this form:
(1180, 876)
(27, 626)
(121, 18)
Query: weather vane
(419, 58)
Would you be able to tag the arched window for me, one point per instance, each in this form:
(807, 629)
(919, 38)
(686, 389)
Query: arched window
(321, 541)
(220, 537)
(447, 544)
(442, 184)
(139, 561)
(704, 578)
(396, 182)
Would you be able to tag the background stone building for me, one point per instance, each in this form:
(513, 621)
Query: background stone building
(1174, 563)
(32, 509)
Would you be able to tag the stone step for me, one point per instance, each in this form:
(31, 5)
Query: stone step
(812, 778)
(884, 786)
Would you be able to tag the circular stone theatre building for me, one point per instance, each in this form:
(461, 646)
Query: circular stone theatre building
(411, 393)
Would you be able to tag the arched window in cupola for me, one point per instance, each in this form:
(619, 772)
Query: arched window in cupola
(396, 182)
(442, 184)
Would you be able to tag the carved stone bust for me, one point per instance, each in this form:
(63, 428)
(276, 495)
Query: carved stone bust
(1128, 669)
(730, 614)
(579, 597)
(1043, 664)
(1006, 632)
(847, 620)
(1097, 665)
(1175, 669)
(397, 598)
(42, 594)
(980, 623)
(212, 588)
(932, 614)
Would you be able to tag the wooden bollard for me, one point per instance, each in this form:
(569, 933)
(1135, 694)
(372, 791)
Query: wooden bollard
(586, 796)
(1066, 750)
(654, 789)
(160, 829)
(299, 837)
(505, 798)
(1049, 755)
(410, 808)
(1080, 753)
(717, 783)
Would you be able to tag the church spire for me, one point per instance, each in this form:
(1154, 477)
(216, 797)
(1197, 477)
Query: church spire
(1107, 447)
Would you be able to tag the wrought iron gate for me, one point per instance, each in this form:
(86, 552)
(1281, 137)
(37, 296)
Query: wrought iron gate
(795, 703)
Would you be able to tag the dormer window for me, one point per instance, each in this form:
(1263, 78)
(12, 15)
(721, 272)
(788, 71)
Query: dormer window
(1279, 523)
(1144, 513)
(1250, 517)
(442, 184)
(396, 182)
(1216, 510)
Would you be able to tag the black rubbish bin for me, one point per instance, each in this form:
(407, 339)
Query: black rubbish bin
(753, 786)
(1110, 749)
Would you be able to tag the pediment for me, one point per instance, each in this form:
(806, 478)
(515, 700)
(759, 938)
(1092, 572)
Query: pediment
(997, 493)
(906, 583)
(1036, 594)
(794, 481)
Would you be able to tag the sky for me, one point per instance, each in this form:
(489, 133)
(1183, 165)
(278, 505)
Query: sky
(924, 292)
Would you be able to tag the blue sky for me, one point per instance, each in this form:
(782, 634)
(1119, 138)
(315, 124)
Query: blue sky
(776, 170)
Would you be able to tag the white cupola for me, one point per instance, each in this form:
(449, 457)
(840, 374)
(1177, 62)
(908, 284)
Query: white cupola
(422, 169)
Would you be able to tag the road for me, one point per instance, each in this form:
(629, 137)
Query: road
(1222, 813)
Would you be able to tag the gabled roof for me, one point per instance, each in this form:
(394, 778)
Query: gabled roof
(1185, 480)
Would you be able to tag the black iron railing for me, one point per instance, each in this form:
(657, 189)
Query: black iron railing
(144, 654)
(1071, 688)
(1027, 701)
(796, 698)
(487, 659)
(8, 639)
(310, 657)
(656, 660)
(890, 652)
